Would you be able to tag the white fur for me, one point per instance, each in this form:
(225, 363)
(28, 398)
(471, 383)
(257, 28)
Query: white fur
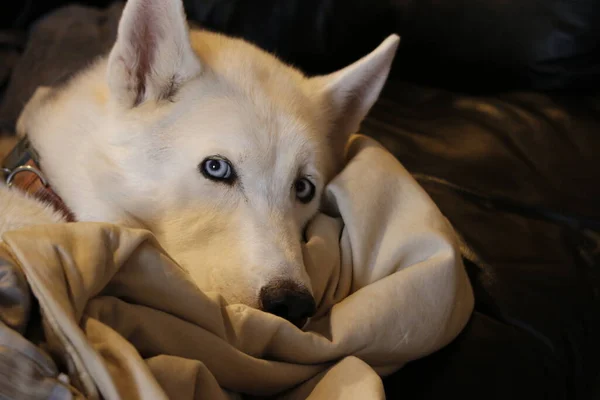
(121, 154)
(18, 210)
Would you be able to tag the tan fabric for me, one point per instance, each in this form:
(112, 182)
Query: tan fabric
(388, 279)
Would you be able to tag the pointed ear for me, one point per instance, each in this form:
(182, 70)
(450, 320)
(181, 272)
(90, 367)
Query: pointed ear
(348, 94)
(152, 55)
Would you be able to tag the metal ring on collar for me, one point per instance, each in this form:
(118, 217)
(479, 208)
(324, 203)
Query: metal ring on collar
(25, 168)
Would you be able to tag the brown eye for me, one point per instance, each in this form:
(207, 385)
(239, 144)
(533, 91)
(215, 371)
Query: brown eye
(305, 190)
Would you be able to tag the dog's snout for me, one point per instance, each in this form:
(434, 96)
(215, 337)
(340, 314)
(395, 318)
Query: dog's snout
(288, 300)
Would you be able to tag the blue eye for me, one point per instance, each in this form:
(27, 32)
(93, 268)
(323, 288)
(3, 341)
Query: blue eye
(305, 190)
(217, 169)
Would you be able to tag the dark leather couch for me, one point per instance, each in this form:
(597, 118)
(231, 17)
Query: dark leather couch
(495, 107)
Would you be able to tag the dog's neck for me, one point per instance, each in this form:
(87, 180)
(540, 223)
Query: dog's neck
(22, 172)
(69, 131)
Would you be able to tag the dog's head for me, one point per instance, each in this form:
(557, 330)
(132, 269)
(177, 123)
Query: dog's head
(223, 151)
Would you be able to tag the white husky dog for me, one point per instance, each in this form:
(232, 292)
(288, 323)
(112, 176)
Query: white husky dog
(215, 146)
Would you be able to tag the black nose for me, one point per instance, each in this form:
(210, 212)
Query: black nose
(288, 300)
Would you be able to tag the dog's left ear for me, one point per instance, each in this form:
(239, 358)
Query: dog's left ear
(348, 94)
(153, 54)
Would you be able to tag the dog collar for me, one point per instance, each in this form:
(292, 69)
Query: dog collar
(22, 170)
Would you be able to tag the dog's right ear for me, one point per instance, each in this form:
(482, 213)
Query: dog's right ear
(152, 56)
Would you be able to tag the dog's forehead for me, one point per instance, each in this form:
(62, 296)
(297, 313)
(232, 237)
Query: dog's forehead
(266, 135)
(262, 102)
(256, 109)
(252, 72)
(283, 144)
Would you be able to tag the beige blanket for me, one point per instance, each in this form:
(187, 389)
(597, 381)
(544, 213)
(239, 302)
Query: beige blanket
(386, 271)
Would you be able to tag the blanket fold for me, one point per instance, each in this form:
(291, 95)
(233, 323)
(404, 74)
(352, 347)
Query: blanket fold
(384, 265)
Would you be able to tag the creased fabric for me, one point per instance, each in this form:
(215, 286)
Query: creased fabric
(384, 264)
(27, 372)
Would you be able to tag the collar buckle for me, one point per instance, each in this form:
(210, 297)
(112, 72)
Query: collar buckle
(24, 168)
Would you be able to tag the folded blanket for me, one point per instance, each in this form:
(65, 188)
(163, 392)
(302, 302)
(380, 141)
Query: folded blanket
(128, 323)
